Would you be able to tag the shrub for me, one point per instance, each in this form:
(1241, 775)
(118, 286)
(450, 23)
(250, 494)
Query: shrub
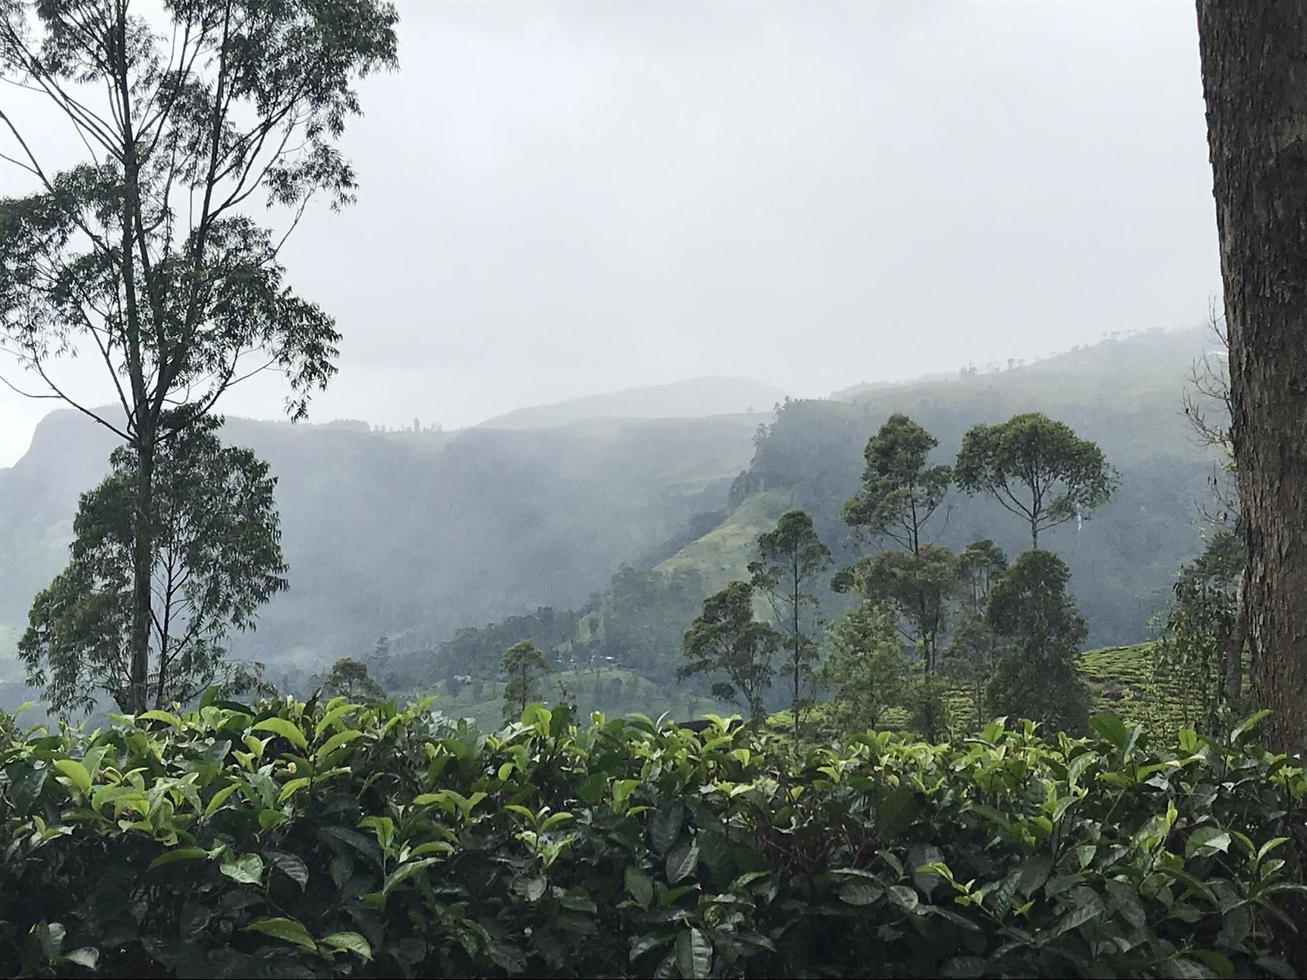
(316, 839)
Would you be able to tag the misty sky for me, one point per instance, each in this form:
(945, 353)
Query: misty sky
(563, 198)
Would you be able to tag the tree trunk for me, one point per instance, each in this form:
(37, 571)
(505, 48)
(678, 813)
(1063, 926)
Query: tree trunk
(142, 568)
(1233, 652)
(1254, 66)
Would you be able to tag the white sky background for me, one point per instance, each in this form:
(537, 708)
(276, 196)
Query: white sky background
(558, 199)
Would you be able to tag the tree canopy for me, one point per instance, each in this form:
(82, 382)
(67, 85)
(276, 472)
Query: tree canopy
(900, 489)
(725, 639)
(1037, 468)
(918, 586)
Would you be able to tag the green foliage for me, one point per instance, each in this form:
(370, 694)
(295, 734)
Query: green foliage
(919, 586)
(523, 662)
(726, 639)
(333, 839)
(900, 490)
(1064, 476)
(791, 558)
(1201, 646)
(970, 659)
(1036, 674)
(864, 670)
(218, 559)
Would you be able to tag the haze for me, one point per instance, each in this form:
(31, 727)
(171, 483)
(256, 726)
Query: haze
(562, 199)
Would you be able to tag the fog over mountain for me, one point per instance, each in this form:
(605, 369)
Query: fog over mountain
(418, 534)
(558, 199)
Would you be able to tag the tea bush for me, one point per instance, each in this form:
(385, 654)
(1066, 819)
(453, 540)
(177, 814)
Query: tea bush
(292, 839)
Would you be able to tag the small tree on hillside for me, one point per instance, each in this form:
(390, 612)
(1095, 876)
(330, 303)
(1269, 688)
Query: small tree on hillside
(918, 586)
(1036, 675)
(1036, 468)
(218, 560)
(791, 559)
(726, 639)
(864, 669)
(524, 663)
(350, 677)
(970, 659)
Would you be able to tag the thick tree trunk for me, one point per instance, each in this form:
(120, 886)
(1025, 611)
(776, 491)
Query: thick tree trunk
(1254, 65)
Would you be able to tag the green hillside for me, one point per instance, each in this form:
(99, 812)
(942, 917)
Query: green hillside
(724, 552)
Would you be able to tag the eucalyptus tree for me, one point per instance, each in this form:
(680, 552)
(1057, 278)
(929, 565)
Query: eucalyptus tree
(900, 489)
(217, 559)
(791, 560)
(1036, 468)
(208, 127)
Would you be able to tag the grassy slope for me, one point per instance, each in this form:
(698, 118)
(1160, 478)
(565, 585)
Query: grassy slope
(723, 554)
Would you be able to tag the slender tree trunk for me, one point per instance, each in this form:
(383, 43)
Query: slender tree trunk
(798, 651)
(1254, 66)
(1233, 652)
(142, 567)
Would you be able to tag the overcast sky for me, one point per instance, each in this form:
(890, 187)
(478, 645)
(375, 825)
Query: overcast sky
(559, 199)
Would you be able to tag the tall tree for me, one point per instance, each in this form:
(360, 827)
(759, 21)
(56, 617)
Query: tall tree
(146, 256)
(1254, 58)
(726, 639)
(523, 662)
(1037, 468)
(900, 490)
(791, 558)
(1036, 676)
(217, 559)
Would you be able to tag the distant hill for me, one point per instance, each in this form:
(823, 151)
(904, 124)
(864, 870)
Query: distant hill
(696, 398)
(407, 534)
(1124, 393)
